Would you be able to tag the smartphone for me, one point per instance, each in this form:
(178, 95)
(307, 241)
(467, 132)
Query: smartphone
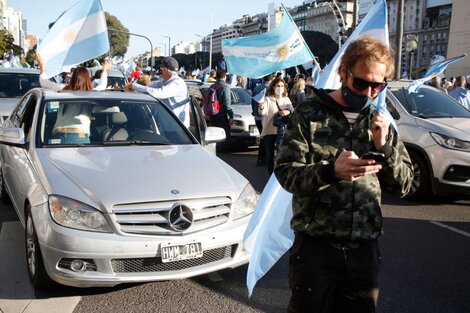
(372, 155)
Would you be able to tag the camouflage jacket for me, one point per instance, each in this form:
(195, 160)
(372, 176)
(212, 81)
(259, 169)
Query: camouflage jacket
(324, 206)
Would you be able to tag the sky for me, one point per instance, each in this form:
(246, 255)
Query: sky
(181, 20)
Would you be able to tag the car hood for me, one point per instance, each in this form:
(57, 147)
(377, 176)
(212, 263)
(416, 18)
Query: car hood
(243, 110)
(104, 176)
(7, 105)
(458, 127)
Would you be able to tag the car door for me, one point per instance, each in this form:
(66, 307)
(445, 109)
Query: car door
(18, 173)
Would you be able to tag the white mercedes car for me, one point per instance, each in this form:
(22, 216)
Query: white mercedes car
(142, 201)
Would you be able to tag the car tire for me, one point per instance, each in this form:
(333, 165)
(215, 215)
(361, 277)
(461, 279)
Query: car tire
(4, 198)
(36, 270)
(421, 186)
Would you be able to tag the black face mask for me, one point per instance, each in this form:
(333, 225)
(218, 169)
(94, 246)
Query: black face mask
(357, 103)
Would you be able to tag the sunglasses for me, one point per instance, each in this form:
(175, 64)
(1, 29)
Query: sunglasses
(362, 84)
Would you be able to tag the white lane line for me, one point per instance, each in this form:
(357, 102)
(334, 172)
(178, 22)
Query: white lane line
(16, 293)
(458, 231)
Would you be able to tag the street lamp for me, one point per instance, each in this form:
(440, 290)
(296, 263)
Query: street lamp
(195, 52)
(169, 44)
(151, 46)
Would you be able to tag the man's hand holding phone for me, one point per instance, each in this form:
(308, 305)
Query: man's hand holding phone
(348, 166)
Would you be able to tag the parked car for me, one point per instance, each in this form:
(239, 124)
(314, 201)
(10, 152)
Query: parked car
(244, 128)
(436, 131)
(143, 201)
(116, 79)
(14, 83)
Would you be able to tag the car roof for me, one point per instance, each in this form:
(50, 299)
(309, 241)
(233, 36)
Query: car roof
(111, 72)
(404, 83)
(19, 70)
(68, 94)
(193, 83)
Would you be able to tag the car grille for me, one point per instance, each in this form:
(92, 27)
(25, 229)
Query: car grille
(144, 265)
(153, 218)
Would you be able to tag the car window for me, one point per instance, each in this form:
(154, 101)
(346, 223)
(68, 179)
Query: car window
(15, 85)
(240, 96)
(112, 121)
(429, 103)
(24, 113)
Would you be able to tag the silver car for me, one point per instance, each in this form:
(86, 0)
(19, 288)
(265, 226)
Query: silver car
(142, 201)
(14, 83)
(243, 129)
(436, 131)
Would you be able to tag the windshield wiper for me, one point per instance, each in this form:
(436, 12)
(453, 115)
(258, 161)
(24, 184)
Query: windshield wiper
(133, 142)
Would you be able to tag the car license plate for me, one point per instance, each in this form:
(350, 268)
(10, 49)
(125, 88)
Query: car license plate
(171, 253)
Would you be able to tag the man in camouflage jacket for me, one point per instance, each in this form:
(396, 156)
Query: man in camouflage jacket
(334, 261)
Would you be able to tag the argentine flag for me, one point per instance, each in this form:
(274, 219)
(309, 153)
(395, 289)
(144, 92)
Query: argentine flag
(260, 55)
(433, 70)
(268, 235)
(80, 34)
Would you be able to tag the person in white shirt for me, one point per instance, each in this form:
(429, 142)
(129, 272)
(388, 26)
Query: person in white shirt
(460, 93)
(170, 89)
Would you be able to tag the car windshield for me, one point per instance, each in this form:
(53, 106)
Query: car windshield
(115, 82)
(239, 95)
(429, 103)
(15, 85)
(109, 122)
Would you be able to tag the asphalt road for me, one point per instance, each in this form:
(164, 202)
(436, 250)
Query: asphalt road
(425, 267)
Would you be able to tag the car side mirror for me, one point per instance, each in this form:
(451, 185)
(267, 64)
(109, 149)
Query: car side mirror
(12, 136)
(214, 134)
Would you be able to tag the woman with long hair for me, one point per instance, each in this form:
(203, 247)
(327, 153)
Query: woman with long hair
(274, 110)
(73, 120)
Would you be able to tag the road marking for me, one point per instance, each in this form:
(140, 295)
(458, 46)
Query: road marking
(16, 293)
(451, 228)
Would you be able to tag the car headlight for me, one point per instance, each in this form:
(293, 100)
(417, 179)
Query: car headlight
(246, 203)
(451, 143)
(74, 214)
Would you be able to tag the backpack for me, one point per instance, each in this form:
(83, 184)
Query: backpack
(212, 104)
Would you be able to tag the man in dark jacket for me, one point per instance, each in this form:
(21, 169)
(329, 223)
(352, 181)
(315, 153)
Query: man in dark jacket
(225, 117)
(335, 259)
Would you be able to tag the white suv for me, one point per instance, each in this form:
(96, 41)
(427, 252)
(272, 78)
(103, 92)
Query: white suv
(436, 131)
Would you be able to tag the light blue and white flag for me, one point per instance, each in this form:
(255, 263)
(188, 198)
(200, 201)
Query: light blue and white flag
(434, 70)
(260, 96)
(260, 55)
(268, 235)
(80, 34)
(316, 74)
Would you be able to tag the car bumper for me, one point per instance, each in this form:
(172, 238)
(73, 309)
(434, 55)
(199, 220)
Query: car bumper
(451, 170)
(123, 258)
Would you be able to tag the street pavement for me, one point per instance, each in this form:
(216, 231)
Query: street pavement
(425, 268)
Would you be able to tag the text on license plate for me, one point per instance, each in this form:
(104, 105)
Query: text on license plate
(180, 252)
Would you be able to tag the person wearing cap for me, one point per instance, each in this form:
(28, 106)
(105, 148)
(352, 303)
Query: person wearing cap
(170, 89)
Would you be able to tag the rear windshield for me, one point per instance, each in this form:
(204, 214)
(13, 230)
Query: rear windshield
(429, 103)
(15, 85)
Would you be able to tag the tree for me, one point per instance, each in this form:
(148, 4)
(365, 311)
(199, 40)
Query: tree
(118, 41)
(6, 43)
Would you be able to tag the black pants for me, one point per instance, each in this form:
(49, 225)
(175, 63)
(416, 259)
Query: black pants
(261, 149)
(326, 279)
(270, 147)
(222, 121)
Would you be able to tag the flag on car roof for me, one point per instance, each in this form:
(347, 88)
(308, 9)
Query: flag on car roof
(268, 235)
(257, 56)
(434, 70)
(78, 35)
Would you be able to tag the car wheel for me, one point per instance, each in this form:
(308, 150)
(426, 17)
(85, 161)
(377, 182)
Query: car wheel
(420, 187)
(36, 270)
(4, 198)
